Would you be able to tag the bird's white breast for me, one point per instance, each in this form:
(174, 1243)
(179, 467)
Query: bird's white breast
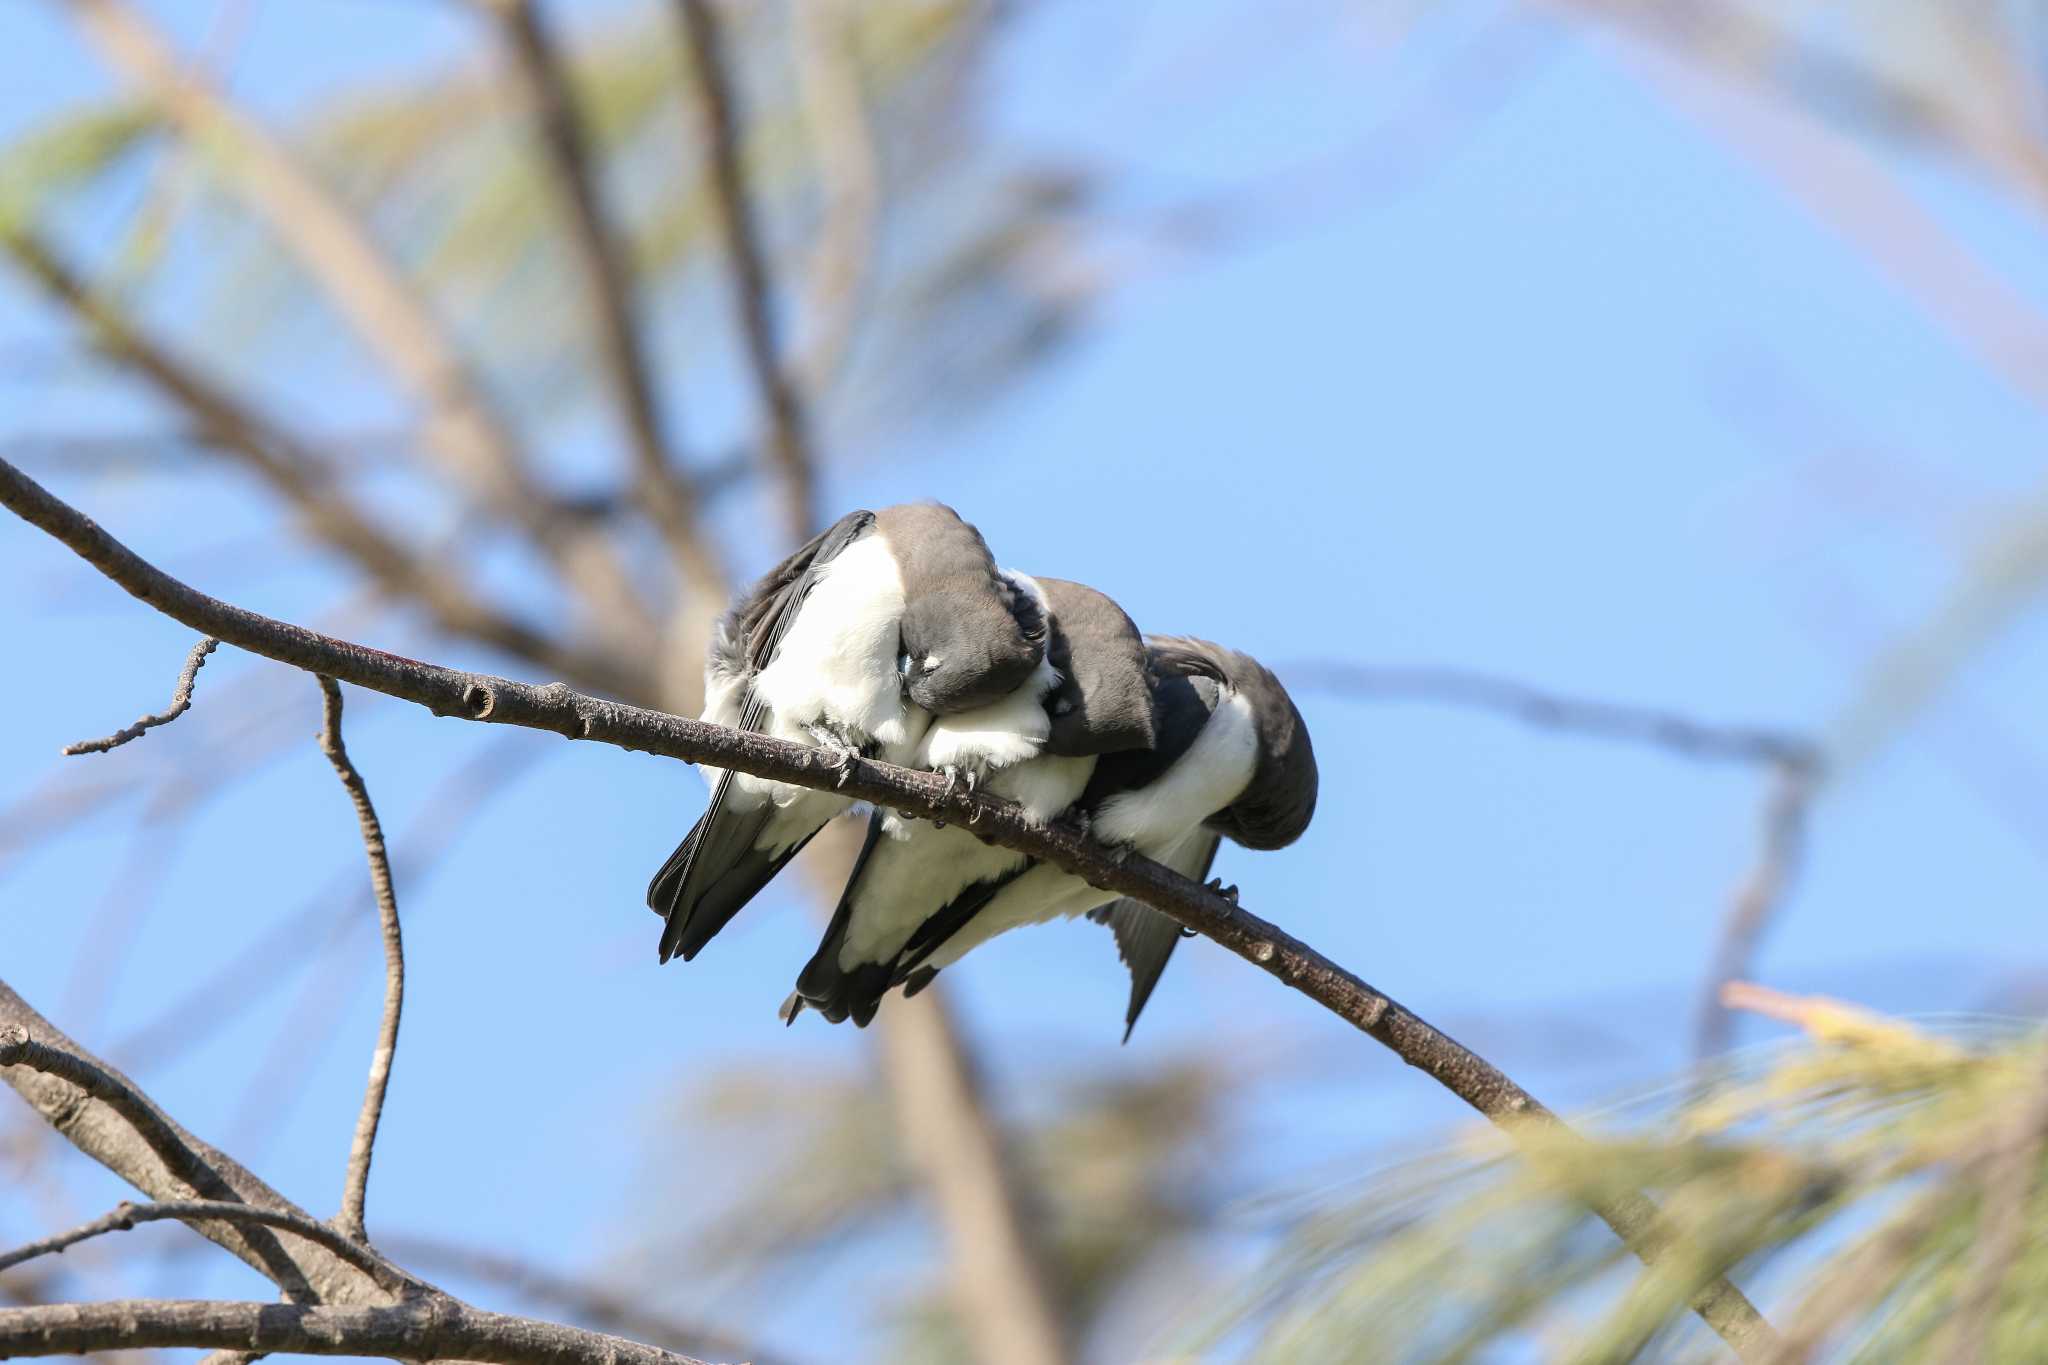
(836, 665)
(919, 868)
(1213, 773)
(1155, 819)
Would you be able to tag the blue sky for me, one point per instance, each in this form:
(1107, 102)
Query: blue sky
(1487, 384)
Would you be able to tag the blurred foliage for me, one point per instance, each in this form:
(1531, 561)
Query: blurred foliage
(1125, 1162)
(980, 267)
(1879, 1190)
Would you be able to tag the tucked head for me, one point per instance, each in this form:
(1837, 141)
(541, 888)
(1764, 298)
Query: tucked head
(1103, 704)
(968, 637)
(1280, 799)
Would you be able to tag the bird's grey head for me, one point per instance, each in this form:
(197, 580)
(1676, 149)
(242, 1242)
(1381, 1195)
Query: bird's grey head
(1103, 703)
(1279, 801)
(969, 637)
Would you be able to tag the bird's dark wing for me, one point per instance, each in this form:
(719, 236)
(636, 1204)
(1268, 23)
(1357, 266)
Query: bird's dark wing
(716, 869)
(841, 993)
(950, 919)
(823, 984)
(1144, 937)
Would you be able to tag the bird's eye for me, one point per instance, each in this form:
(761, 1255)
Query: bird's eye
(931, 665)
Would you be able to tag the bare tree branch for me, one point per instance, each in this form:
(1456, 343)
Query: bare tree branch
(362, 1146)
(753, 297)
(559, 709)
(1757, 900)
(181, 702)
(105, 1116)
(301, 475)
(1681, 734)
(367, 1304)
(665, 492)
(370, 291)
(592, 1304)
(432, 1328)
(125, 1216)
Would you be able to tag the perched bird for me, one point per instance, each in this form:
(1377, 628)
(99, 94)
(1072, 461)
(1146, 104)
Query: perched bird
(1230, 758)
(1038, 746)
(854, 643)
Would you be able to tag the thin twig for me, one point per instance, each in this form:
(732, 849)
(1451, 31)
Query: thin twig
(126, 1215)
(1757, 900)
(181, 702)
(361, 1147)
(589, 1303)
(561, 710)
(753, 297)
(1681, 734)
(246, 977)
(663, 489)
(434, 1327)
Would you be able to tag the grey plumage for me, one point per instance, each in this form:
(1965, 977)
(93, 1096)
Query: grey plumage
(855, 642)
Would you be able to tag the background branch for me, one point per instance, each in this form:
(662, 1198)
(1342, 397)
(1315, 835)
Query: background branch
(753, 296)
(296, 471)
(664, 490)
(367, 288)
(1545, 710)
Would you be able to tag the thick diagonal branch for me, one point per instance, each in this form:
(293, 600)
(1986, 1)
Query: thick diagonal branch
(100, 1112)
(753, 296)
(362, 1145)
(560, 709)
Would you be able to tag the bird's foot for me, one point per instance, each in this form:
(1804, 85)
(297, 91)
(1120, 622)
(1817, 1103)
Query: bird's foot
(1228, 893)
(842, 754)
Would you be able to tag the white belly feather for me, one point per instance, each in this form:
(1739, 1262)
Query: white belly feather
(1154, 820)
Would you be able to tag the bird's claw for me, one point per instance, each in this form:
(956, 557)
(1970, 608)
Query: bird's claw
(1228, 893)
(843, 756)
